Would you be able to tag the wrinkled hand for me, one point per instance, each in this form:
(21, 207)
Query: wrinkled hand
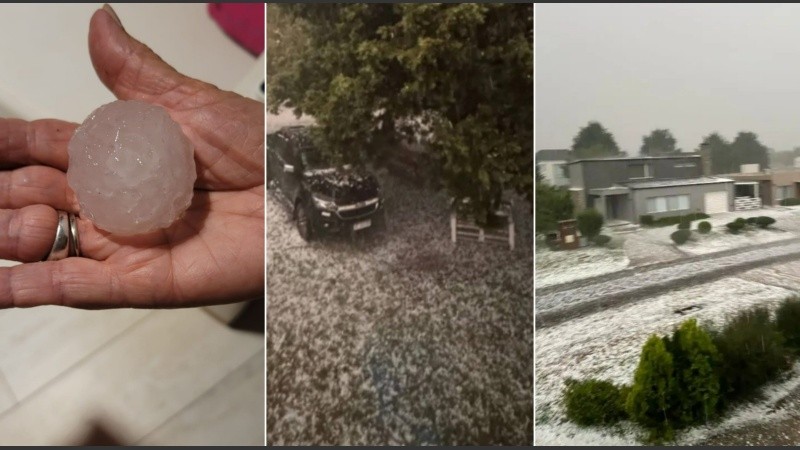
(214, 254)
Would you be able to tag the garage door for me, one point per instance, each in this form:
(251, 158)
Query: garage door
(716, 202)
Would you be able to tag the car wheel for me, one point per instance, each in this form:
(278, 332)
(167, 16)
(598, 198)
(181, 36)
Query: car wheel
(303, 221)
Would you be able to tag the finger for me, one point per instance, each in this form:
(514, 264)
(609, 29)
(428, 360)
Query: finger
(34, 185)
(27, 234)
(131, 70)
(77, 282)
(42, 142)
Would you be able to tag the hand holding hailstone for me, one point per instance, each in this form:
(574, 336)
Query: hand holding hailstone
(156, 200)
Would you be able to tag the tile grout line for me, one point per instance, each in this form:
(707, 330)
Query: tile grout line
(75, 365)
(199, 397)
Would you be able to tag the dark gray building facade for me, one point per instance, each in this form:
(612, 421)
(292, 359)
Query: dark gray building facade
(661, 186)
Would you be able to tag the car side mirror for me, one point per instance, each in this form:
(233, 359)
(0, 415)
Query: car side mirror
(288, 168)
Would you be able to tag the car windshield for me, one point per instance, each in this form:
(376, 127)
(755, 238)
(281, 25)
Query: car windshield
(313, 159)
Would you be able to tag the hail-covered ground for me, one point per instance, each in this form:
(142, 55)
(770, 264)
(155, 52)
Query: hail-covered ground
(399, 337)
(605, 344)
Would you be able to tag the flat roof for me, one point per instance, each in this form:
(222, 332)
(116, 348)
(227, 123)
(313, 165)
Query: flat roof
(678, 182)
(638, 158)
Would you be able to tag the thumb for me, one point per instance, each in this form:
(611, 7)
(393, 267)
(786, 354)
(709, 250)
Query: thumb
(130, 69)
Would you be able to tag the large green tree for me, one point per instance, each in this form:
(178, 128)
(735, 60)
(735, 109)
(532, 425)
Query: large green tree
(658, 142)
(720, 153)
(459, 75)
(594, 141)
(746, 149)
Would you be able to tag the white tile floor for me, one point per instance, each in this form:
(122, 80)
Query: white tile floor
(160, 377)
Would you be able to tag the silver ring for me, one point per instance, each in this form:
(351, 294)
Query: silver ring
(75, 243)
(61, 244)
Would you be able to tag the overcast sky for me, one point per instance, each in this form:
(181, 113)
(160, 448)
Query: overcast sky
(693, 69)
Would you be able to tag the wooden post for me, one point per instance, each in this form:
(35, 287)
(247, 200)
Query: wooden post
(453, 227)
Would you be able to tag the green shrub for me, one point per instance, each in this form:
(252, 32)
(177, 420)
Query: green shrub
(681, 236)
(753, 353)
(674, 220)
(694, 396)
(646, 220)
(764, 221)
(735, 227)
(704, 227)
(601, 239)
(787, 320)
(594, 402)
(751, 220)
(790, 202)
(590, 222)
(649, 398)
(741, 220)
(685, 223)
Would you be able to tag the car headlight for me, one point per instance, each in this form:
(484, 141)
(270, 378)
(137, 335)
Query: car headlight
(323, 203)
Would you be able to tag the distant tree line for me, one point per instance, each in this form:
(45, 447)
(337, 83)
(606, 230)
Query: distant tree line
(595, 141)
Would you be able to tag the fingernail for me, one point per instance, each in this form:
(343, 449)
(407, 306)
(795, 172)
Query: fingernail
(113, 14)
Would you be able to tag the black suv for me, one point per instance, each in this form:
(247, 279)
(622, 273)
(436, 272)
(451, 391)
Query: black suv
(322, 198)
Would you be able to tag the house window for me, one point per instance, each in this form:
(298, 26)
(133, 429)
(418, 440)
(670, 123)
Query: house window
(564, 170)
(681, 166)
(668, 203)
(782, 192)
(638, 171)
(745, 190)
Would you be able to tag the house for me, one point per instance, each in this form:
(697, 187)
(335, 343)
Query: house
(552, 164)
(770, 186)
(661, 186)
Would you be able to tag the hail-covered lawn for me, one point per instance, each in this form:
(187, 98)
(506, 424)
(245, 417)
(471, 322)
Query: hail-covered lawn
(606, 345)
(562, 266)
(401, 337)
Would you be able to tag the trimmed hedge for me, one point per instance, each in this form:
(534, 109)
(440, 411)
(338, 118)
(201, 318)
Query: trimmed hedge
(594, 402)
(735, 227)
(704, 227)
(681, 236)
(671, 220)
(764, 221)
(685, 224)
(790, 202)
(590, 222)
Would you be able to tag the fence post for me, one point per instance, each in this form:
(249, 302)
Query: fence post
(453, 227)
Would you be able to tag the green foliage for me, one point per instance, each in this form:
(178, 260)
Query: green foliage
(674, 220)
(787, 320)
(646, 220)
(753, 353)
(552, 204)
(681, 236)
(601, 240)
(750, 220)
(704, 227)
(458, 76)
(657, 143)
(790, 202)
(764, 221)
(590, 222)
(728, 157)
(685, 223)
(735, 227)
(649, 400)
(594, 141)
(695, 387)
(594, 402)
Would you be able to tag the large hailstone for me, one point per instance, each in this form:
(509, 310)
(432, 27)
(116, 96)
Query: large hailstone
(131, 167)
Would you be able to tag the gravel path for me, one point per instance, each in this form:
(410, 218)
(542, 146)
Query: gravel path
(556, 304)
